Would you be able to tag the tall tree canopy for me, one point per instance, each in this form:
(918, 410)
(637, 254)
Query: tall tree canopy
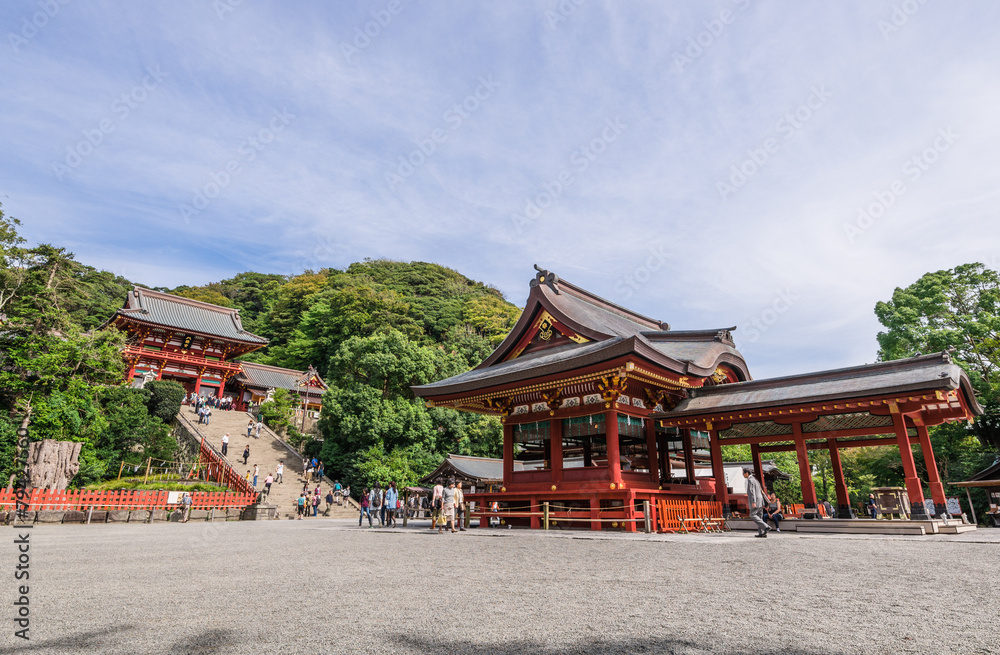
(955, 309)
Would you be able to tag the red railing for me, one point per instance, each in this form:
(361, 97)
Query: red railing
(216, 469)
(121, 499)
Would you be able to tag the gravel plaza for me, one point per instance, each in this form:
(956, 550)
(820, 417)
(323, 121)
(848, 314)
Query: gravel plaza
(331, 587)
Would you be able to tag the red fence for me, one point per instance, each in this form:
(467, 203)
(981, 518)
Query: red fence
(83, 499)
(689, 515)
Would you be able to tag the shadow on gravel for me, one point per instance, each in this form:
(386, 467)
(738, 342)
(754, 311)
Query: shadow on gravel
(432, 646)
(205, 643)
(82, 641)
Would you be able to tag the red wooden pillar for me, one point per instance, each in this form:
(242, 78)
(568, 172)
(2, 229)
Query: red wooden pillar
(534, 508)
(844, 510)
(805, 471)
(758, 470)
(595, 512)
(654, 464)
(721, 490)
(197, 385)
(614, 450)
(933, 477)
(688, 457)
(159, 370)
(630, 511)
(508, 453)
(555, 448)
(914, 490)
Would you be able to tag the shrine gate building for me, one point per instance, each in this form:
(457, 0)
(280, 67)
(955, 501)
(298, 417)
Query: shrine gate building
(189, 341)
(603, 408)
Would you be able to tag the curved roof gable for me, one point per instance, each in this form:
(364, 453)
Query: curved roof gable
(158, 308)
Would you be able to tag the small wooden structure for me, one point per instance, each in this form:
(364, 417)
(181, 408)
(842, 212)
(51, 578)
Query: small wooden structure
(988, 479)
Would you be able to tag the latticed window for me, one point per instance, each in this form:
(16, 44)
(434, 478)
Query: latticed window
(632, 444)
(532, 445)
(585, 441)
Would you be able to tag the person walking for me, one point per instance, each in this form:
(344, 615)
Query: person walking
(186, 501)
(872, 506)
(365, 508)
(460, 506)
(320, 471)
(255, 472)
(305, 468)
(756, 502)
(280, 473)
(208, 414)
(437, 500)
(301, 504)
(329, 502)
(259, 425)
(267, 484)
(250, 428)
(375, 502)
(448, 506)
(315, 504)
(338, 492)
(246, 454)
(389, 504)
(225, 444)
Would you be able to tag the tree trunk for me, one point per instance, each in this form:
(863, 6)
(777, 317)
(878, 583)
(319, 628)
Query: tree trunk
(52, 464)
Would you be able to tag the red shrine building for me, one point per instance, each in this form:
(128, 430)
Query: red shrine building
(604, 408)
(194, 343)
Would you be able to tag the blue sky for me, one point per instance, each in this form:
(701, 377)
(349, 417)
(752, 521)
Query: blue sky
(711, 164)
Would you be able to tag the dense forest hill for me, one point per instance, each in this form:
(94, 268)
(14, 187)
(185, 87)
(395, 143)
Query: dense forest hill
(372, 330)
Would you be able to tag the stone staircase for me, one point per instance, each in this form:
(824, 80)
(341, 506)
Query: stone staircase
(265, 451)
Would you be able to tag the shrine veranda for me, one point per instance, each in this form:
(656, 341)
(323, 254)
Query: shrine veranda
(605, 410)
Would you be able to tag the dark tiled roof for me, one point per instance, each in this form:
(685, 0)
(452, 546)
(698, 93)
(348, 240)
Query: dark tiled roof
(927, 372)
(473, 468)
(168, 310)
(267, 377)
(546, 362)
(611, 330)
(991, 473)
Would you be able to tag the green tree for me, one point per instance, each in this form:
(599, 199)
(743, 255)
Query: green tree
(953, 309)
(165, 397)
(277, 412)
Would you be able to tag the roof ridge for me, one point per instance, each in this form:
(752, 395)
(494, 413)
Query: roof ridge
(872, 368)
(170, 297)
(602, 303)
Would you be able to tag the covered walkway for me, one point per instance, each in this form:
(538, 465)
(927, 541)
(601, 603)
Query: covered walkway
(887, 403)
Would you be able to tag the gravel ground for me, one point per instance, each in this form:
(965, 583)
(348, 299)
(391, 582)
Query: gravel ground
(309, 587)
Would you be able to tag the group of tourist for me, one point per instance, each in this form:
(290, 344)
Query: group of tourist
(226, 403)
(313, 469)
(311, 500)
(447, 505)
(384, 502)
